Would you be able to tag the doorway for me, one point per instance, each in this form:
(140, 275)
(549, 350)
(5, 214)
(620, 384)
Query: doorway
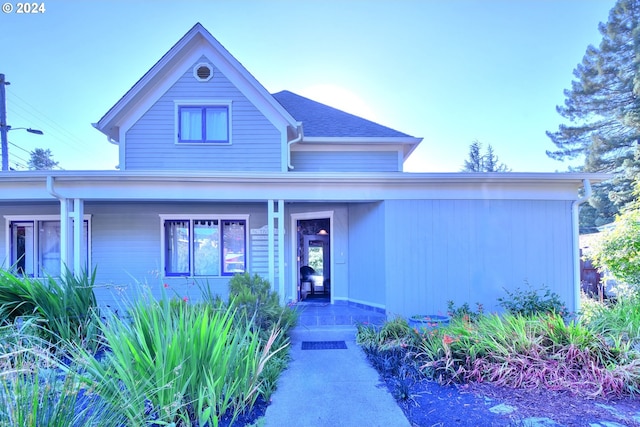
(314, 259)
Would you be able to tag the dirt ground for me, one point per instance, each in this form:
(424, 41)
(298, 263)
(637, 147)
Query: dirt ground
(433, 405)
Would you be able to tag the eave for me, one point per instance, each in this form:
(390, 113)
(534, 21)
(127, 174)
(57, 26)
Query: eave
(408, 143)
(291, 187)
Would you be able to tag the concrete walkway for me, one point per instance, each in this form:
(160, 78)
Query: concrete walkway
(336, 387)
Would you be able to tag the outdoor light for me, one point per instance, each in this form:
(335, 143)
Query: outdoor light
(30, 130)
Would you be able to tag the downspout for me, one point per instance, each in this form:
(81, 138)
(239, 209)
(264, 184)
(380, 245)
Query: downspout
(575, 210)
(293, 141)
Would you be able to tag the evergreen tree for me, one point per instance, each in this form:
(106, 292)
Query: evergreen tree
(41, 159)
(603, 109)
(492, 163)
(474, 163)
(478, 162)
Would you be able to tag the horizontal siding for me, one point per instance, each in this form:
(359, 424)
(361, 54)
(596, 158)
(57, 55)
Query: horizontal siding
(150, 142)
(472, 250)
(126, 244)
(345, 161)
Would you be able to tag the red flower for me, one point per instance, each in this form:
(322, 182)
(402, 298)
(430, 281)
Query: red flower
(446, 340)
(166, 285)
(185, 299)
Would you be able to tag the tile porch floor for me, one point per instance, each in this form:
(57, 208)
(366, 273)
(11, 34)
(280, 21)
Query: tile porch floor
(325, 314)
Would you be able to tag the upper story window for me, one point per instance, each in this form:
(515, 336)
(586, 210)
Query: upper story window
(203, 123)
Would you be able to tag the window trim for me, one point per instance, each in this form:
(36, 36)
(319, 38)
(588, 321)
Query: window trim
(38, 218)
(202, 103)
(202, 217)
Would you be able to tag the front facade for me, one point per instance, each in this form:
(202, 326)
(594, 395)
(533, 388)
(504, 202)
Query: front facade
(217, 176)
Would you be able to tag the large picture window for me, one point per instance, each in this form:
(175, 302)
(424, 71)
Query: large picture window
(204, 246)
(203, 124)
(35, 247)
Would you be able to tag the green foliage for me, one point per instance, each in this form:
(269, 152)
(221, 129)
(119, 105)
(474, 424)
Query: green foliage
(618, 250)
(532, 347)
(37, 389)
(527, 352)
(63, 309)
(41, 159)
(177, 363)
(618, 323)
(478, 162)
(532, 302)
(464, 311)
(602, 108)
(253, 298)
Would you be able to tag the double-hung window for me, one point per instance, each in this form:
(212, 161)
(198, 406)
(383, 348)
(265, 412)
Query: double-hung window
(34, 246)
(204, 246)
(203, 123)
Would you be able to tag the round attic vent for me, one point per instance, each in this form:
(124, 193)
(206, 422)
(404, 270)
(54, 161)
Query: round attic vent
(203, 72)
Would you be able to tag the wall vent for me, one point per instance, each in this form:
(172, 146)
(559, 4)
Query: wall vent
(203, 72)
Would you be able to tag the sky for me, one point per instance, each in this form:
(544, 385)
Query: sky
(447, 71)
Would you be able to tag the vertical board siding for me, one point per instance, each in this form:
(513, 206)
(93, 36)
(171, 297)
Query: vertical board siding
(151, 141)
(470, 251)
(367, 253)
(345, 161)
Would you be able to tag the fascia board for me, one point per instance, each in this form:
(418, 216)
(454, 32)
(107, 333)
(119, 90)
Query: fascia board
(299, 186)
(408, 144)
(360, 140)
(343, 147)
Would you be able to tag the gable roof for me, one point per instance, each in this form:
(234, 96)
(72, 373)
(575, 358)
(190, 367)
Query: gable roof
(320, 120)
(150, 87)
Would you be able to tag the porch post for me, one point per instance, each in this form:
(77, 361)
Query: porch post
(276, 222)
(65, 233)
(270, 242)
(281, 274)
(78, 236)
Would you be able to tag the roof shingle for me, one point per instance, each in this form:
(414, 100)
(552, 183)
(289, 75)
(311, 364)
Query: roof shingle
(320, 120)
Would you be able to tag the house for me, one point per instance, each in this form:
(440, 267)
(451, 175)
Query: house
(218, 176)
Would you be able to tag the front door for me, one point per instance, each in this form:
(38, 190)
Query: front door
(314, 260)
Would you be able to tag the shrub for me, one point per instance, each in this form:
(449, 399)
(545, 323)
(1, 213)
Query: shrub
(618, 250)
(532, 302)
(464, 311)
(63, 309)
(253, 298)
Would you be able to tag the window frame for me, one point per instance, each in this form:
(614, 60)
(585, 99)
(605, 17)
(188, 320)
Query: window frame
(192, 218)
(203, 104)
(36, 220)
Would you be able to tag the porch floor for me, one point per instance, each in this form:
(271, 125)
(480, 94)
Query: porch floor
(325, 314)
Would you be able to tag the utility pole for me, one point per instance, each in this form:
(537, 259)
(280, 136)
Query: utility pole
(4, 129)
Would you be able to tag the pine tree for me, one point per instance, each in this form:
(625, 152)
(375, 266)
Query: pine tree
(474, 163)
(41, 159)
(478, 162)
(492, 163)
(603, 109)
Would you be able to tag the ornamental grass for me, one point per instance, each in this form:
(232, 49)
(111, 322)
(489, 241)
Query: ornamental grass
(176, 363)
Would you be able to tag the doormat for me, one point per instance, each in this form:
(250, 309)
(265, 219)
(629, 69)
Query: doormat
(324, 345)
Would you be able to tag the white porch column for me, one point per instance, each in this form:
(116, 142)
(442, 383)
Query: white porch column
(65, 234)
(78, 236)
(275, 215)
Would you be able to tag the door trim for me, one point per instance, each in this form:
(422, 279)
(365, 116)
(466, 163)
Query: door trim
(295, 217)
